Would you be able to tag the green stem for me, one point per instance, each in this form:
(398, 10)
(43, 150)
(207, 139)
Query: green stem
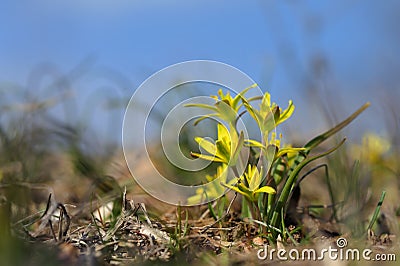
(283, 198)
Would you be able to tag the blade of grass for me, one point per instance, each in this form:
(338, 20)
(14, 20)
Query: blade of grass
(324, 136)
(294, 241)
(377, 211)
(266, 225)
(328, 183)
(212, 212)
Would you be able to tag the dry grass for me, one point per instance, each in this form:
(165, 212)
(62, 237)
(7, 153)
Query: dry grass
(87, 233)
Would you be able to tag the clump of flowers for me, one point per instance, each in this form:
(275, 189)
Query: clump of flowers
(271, 164)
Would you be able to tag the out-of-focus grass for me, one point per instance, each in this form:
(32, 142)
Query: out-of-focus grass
(358, 173)
(42, 155)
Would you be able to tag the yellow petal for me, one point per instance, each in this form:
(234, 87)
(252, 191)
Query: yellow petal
(265, 189)
(207, 157)
(207, 145)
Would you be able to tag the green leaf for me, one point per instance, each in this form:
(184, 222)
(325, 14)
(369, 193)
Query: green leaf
(324, 136)
(377, 210)
(292, 179)
(212, 212)
(320, 138)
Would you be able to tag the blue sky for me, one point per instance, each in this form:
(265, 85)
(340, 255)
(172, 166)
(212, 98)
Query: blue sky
(339, 54)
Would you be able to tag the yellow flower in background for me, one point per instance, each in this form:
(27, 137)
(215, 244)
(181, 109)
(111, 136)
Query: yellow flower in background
(372, 149)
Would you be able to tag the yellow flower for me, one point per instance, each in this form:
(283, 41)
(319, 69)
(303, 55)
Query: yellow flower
(269, 115)
(249, 184)
(226, 107)
(373, 148)
(225, 150)
(273, 149)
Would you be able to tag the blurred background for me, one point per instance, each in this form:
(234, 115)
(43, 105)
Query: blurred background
(68, 69)
(327, 57)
